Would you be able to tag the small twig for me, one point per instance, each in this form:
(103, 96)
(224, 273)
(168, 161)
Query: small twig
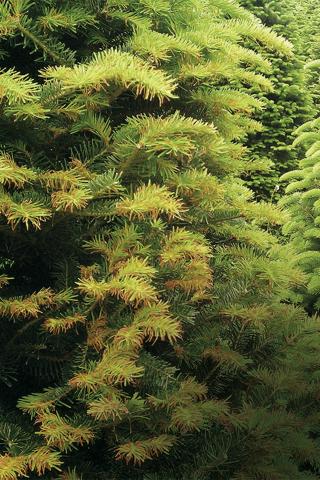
(22, 330)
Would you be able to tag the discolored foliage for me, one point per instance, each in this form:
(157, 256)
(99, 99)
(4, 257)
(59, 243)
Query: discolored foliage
(147, 328)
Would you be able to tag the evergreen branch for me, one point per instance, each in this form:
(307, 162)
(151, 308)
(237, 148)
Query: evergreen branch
(114, 67)
(26, 33)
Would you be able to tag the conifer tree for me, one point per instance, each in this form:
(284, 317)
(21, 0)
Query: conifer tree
(308, 22)
(290, 104)
(302, 200)
(146, 332)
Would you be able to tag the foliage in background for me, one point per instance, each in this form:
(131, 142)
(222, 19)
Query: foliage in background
(303, 202)
(308, 20)
(303, 184)
(289, 105)
(146, 329)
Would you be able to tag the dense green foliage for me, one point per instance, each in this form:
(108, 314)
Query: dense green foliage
(288, 106)
(147, 330)
(309, 19)
(303, 202)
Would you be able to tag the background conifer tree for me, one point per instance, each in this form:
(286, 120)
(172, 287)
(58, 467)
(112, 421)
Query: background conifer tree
(290, 104)
(302, 200)
(146, 332)
(308, 20)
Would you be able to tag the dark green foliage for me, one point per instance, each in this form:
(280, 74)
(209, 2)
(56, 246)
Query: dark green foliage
(310, 45)
(303, 202)
(288, 106)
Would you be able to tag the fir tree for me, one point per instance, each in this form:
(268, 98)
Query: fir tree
(145, 329)
(290, 103)
(302, 200)
(308, 21)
